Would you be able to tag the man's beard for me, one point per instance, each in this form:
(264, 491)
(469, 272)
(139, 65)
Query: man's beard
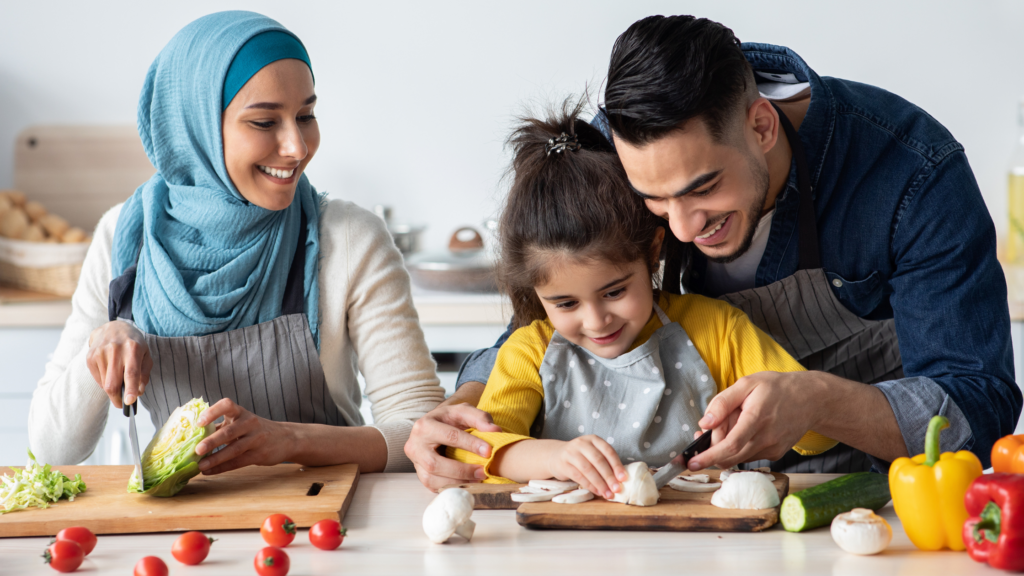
(761, 181)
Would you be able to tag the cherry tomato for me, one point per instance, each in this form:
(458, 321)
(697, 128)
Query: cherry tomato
(327, 534)
(278, 530)
(271, 561)
(191, 548)
(150, 566)
(64, 555)
(83, 536)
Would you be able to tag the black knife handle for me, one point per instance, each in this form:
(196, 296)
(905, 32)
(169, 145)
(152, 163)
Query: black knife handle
(701, 444)
(126, 408)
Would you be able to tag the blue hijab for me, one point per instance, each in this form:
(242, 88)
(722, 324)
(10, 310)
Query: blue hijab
(209, 261)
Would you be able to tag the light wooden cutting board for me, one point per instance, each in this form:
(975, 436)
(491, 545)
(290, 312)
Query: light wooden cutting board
(240, 499)
(676, 511)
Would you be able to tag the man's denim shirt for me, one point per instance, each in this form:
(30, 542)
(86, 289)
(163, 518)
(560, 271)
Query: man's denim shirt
(903, 225)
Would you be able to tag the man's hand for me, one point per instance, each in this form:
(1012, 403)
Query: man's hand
(444, 426)
(764, 415)
(760, 416)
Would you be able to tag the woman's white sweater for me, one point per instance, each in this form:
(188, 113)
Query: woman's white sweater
(367, 322)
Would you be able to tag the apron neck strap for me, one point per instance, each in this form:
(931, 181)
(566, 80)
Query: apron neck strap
(294, 301)
(661, 315)
(810, 256)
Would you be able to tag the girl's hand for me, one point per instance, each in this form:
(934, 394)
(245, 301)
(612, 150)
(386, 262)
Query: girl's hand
(118, 354)
(592, 463)
(247, 439)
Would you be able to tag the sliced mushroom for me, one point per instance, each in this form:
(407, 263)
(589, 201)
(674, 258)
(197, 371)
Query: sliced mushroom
(687, 484)
(574, 497)
(557, 485)
(542, 497)
(533, 490)
(449, 514)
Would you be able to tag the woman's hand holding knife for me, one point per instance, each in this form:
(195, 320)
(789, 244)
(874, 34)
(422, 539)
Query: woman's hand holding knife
(118, 354)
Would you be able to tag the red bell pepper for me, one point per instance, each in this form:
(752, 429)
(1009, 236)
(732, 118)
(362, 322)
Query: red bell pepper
(994, 533)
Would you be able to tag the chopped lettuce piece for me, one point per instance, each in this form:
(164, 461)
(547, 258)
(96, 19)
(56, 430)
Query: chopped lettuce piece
(170, 459)
(36, 485)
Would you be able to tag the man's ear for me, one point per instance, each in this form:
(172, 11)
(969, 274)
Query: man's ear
(655, 256)
(764, 120)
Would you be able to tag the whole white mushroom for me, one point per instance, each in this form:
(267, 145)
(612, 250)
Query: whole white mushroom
(639, 489)
(449, 514)
(861, 531)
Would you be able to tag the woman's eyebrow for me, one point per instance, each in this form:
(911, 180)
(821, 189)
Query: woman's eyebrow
(277, 105)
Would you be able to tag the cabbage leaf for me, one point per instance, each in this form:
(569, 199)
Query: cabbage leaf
(170, 459)
(36, 485)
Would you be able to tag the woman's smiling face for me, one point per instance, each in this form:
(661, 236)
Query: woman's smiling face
(271, 134)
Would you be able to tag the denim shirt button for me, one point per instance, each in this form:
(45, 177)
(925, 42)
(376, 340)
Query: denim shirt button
(837, 283)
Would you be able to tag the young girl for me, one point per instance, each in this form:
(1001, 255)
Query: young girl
(602, 369)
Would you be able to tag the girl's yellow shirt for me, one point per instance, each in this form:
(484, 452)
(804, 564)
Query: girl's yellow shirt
(729, 343)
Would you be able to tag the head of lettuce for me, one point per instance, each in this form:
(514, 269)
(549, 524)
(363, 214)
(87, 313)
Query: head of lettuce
(170, 459)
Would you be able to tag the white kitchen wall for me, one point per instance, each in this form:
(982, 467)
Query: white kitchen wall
(416, 97)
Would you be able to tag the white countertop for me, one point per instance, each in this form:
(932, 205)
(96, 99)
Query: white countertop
(386, 537)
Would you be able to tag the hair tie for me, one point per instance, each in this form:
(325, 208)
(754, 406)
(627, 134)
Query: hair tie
(563, 142)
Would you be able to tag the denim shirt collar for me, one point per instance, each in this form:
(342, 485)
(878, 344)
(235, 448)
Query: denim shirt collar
(819, 122)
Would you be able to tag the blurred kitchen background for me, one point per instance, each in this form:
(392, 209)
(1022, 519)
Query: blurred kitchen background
(416, 98)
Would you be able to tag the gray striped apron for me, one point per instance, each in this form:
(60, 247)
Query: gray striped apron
(271, 369)
(806, 318)
(647, 408)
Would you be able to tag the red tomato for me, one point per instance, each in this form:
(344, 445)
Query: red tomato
(83, 536)
(191, 548)
(150, 566)
(278, 530)
(271, 561)
(64, 555)
(327, 534)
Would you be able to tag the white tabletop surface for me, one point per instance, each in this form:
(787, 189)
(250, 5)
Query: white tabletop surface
(386, 537)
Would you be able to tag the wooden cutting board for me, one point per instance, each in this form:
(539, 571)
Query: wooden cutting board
(240, 499)
(676, 512)
(490, 496)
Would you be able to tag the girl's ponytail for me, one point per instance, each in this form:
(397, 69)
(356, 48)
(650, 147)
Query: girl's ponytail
(570, 200)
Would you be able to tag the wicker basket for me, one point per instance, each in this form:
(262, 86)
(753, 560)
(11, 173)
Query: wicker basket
(41, 267)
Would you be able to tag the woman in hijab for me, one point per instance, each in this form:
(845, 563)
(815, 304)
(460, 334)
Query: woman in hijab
(227, 276)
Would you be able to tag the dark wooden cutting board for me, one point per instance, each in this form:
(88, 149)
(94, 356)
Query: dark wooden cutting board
(676, 511)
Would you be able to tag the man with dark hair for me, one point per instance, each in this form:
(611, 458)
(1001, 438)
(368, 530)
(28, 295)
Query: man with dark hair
(843, 219)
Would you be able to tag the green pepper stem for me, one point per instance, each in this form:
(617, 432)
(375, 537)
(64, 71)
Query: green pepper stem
(990, 524)
(931, 439)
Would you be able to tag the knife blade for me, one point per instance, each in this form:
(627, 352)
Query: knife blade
(677, 465)
(133, 436)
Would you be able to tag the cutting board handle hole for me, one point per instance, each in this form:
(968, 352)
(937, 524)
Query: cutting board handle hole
(315, 489)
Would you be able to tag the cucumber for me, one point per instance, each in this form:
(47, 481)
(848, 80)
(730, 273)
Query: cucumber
(817, 506)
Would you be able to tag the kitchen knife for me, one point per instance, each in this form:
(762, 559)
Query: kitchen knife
(133, 436)
(677, 465)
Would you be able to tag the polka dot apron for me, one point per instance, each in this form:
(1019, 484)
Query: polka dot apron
(646, 408)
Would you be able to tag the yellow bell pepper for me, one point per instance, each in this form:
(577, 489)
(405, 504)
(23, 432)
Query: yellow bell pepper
(928, 492)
